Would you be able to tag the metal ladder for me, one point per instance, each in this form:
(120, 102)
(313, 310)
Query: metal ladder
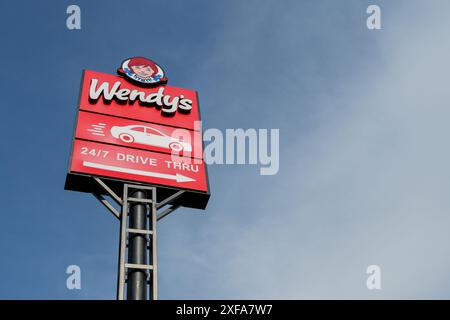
(151, 266)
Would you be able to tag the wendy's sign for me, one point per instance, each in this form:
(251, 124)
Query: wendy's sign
(116, 96)
(168, 103)
(135, 128)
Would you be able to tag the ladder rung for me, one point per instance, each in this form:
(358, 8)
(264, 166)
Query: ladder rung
(139, 200)
(139, 266)
(148, 278)
(140, 231)
(140, 187)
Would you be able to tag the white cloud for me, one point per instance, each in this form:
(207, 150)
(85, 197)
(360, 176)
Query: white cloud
(368, 185)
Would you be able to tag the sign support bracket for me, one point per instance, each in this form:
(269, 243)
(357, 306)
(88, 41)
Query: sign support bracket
(108, 190)
(107, 205)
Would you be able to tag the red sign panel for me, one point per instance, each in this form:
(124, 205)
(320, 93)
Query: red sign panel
(138, 165)
(137, 134)
(113, 95)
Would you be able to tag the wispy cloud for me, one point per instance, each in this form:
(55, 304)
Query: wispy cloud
(367, 185)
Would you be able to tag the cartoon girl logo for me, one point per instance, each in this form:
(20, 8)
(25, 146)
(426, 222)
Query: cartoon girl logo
(143, 71)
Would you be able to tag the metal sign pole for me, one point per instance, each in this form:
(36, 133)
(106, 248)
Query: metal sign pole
(137, 243)
(138, 237)
(137, 248)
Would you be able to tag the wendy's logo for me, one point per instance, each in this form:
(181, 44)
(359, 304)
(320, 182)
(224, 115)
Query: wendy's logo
(143, 71)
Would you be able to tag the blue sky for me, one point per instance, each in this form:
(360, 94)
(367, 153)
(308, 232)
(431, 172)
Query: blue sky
(363, 174)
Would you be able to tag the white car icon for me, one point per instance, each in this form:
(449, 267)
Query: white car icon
(149, 136)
